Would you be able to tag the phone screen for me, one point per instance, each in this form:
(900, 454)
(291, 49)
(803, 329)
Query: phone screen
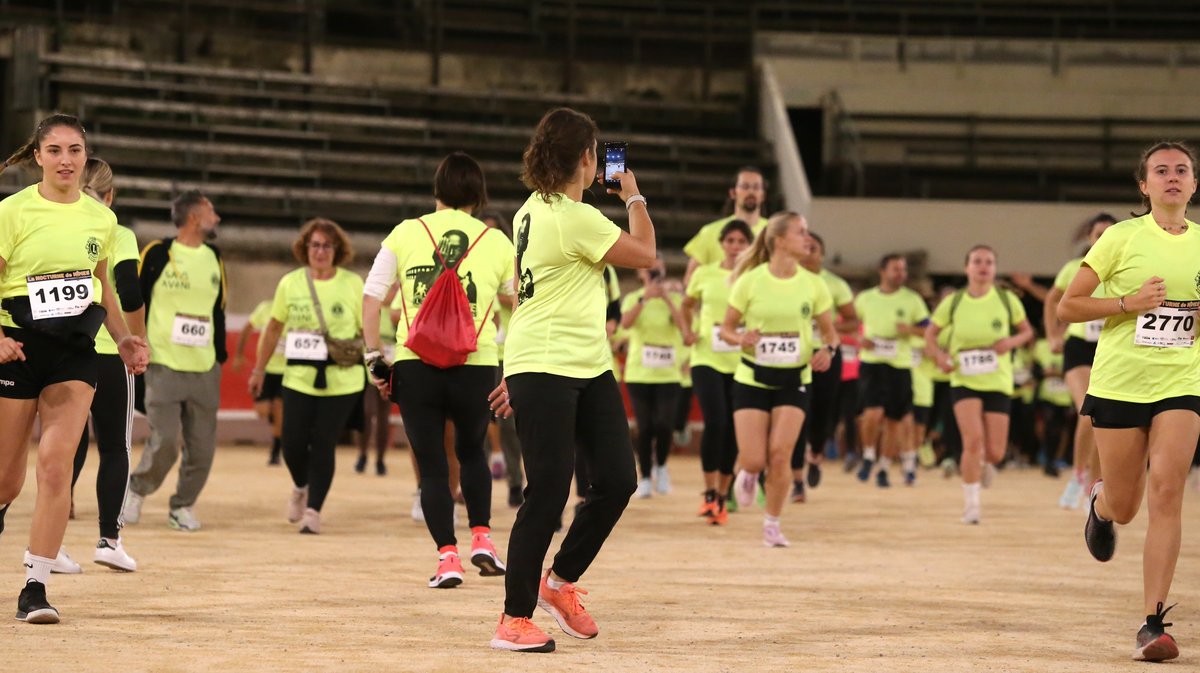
(614, 162)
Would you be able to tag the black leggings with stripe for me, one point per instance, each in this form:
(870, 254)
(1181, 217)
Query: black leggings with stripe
(112, 420)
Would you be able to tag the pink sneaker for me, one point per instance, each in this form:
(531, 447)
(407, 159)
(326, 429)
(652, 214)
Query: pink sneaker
(483, 553)
(449, 571)
(745, 487)
(519, 634)
(564, 606)
(773, 536)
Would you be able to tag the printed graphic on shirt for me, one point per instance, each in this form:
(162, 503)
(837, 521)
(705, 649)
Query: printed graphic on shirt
(452, 246)
(525, 291)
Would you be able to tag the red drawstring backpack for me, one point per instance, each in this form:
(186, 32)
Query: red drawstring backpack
(443, 333)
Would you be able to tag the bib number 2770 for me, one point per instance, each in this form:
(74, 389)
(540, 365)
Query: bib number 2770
(1172, 325)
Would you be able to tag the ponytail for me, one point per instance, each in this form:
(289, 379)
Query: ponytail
(25, 153)
(763, 247)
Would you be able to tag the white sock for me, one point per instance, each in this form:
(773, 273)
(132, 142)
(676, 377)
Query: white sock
(869, 453)
(37, 568)
(971, 494)
(908, 460)
(769, 520)
(553, 583)
(884, 464)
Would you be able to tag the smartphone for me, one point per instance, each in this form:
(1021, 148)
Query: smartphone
(614, 162)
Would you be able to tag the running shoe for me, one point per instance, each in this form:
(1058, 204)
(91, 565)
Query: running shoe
(32, 606)
(926, 456)
(1100, 535)
(1051, 470)
(380, 468)
(498, 466)
(881, 479)
(744, 487)
(852, 461)
(731, 504)
(564, 606)
(1071, 494)
(988, 477)
(949, 467)
(864, 472)
(114, 557)
(449, 571)
(814, 475)
(971, 514)
(773, 536)
(296, 504)
(484, 556)
(662, 480)
(310, 523)
(276, 455)
(417, 513)
(645, 489)
(1153, 641)
(910, 478)
(721, 516)
(831, 449)
(519, 634)
(360, 465)
(682, 437)
(798, 495)
(64, 564)
(708, 506)
(183, 519)
(131, 511)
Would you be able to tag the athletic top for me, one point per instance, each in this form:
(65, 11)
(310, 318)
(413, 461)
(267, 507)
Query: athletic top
(710, 285)
(839, 289)
(655, 344)
(705, 246)
(184, 289)
(977, 324)
(258, 320)
(483, 273)
(1024, 386)
(341, 304)
(1053, 388)
(558, 327)
(1147, 357)
(125, 250)
(782, 310)
(42, 242)
(879, 313)
(922, 373)
(1088, 331)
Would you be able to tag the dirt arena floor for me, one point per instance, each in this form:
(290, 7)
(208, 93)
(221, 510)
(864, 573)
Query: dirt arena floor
(873, 581)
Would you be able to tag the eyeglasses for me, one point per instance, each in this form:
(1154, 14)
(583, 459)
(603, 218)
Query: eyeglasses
(322, 246)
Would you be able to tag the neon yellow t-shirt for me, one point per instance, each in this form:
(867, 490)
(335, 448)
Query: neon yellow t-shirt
(709, 285)
(879, 313)
(38, 237)
(1023, 388)
(839, 289)
(187, 289)
(558, 326)
(341, 304)
(655, 344)
(1080, 330)
(922, 373)
(482, 273)
(705, 246)
(259, 317)
(124, 250)
(1053, 388)
(977, 324)
(782, 310)
(1127, 255)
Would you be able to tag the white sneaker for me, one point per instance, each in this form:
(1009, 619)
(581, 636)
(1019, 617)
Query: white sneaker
(645, 489)
(682, 437)
(114, 557)
(64, 564)
(662, 480)
(296, 504)
(131, 512)
(971, 514)
(311, 523)
(418, 514)
(988, 477)
(1071, 494)
(183, 519)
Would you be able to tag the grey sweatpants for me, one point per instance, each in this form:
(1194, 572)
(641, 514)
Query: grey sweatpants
(176, 401)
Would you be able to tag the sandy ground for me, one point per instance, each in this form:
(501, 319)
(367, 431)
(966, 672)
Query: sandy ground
(874, 581)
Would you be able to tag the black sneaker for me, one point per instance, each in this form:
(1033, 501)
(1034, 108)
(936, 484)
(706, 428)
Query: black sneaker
(32, 606)
(1153, 641)
(881, 479)
(798, 491)
(864, 472)
(1100, 535)
(515, 497)
(814, 475)
(380, 468)
(360, 465)
(3, 511)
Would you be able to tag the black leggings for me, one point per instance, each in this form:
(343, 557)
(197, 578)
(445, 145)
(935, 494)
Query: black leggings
(654, 409)
(943, 412)
(822, 414)
(311, 427)
(683, 409)
(112, 418)
(428, 397)
(718, 445)
(556, 416)
(848, 411)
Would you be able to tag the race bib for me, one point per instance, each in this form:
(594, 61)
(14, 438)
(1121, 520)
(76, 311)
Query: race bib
(306, 345)
(1172, 325)
(191, 330)
(848, 352)
(886, 348)
(719, 345)
(777, 350)
(59, 295)
(1021, 376)
(658, 357)
(1055, 385)
(1092, 329)
(977, 362)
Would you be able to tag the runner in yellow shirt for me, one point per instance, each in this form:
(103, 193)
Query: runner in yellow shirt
(748, 194)
(1144, 394)
(1054, 405)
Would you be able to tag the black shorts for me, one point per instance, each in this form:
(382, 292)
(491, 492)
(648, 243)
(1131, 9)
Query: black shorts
(1078, 353)
(47, 361)
(272, 388)
(1118, 415)
(881, 385)
(921, 415)
(993, 403)
(766, 399)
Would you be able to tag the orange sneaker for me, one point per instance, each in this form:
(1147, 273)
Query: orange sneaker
(519, 634)
(449, 570)
(564, 606)
(720, 516)
(707, 508)
(483, 553)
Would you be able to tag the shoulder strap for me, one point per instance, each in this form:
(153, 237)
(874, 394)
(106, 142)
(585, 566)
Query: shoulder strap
(438, 250)
(1004, 297)
(312, 290)
(955, 301)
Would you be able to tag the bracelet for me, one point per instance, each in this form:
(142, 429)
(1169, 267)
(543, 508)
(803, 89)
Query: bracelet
(636, 198)
(832, 349)
(1121, 304)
